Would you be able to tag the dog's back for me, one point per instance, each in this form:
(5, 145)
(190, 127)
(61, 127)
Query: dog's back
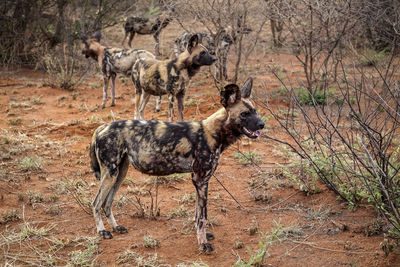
(119, 60)
(139, 25)
(154, 147)
(157, 77)
(145, 25)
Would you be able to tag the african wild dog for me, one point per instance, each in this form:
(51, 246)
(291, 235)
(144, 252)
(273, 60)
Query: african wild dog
(163, 148)
(217, 44)
(205, 39)
(146, 26)
(154, 77)
(111, 61)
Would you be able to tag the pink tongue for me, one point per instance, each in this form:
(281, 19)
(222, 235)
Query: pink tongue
(257, 133)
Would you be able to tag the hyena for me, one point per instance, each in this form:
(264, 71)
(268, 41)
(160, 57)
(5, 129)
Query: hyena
(152, 26)
(111, 61)
(164, 148)
(155, 77)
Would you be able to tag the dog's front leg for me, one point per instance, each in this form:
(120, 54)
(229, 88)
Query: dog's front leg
(157, 45)
(113, 75)
(105, 88)
(171, 99)
(158, 104)
(201, 184)
(143, 102)
(180, 97)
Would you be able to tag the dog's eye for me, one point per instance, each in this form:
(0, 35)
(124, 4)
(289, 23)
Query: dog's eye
(202, 53)
(244, 114)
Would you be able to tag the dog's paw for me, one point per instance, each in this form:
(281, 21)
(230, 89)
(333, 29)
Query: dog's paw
(206, 248)
(112, 104)
(120, 229)
(105, 234)
(210, 236)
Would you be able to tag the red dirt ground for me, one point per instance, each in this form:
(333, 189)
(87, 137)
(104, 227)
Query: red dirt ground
(319, 229)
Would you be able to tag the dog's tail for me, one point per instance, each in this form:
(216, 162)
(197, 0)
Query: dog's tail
(94, 162)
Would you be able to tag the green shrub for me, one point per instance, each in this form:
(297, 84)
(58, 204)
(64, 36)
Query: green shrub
(315, 97)
(371, 57)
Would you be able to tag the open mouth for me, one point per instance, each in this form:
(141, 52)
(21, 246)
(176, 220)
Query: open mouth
(251, 134)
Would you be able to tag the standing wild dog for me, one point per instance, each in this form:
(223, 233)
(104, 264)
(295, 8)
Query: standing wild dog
(111, 61)
(155, 77)
(163, 148)
(218, 44)
(146, 26)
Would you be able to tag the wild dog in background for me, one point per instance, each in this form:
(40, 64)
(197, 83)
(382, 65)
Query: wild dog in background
(111, 61)
(147, 26)
(205, 39)
(163, 148)
(218, 44)
(155, 77)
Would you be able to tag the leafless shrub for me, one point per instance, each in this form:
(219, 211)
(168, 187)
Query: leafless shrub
(66, 68)
(28, 26)
(380, 22)
(315, 30)
(351, 143)
(151, 208)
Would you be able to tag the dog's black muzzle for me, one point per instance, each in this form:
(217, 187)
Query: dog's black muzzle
(252, 127)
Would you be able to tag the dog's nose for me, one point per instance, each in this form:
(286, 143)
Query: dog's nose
(213, 59)
(261, 125)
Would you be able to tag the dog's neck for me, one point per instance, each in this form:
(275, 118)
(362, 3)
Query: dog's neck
(219, 131)
(98, 51)
(182, 61)
(193, 69)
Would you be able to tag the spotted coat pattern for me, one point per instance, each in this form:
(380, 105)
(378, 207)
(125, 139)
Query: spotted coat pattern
(218, 44)
(152, 26)
(112, 61)
(162, 148)
(168, 77)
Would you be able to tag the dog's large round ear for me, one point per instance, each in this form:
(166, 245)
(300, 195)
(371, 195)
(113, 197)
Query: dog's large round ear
(97, 36)
(194, 40)
(246, 88)
(230, 95)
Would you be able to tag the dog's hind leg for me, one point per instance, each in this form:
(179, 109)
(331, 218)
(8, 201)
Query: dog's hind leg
(107, 205)
(105, 88)
(131, 35)
(113, 75)
(143, 102)
(106, 184)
